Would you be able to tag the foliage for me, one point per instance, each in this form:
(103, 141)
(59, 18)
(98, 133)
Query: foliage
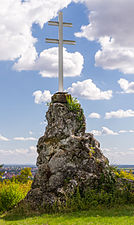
(74, 106)
(91, 151)
(14, 190)
(49, 104)
(94, 198)
(109, 192)
(124, 174)
(73, 103)
(24, 176)
(11, 193)
(1, 173)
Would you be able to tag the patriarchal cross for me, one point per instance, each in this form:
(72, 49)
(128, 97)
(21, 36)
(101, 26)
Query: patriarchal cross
(60, 41)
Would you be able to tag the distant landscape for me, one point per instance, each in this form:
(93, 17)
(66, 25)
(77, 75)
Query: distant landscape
(13, 170)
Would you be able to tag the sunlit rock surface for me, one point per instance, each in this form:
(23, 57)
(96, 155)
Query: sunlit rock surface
(67, 156)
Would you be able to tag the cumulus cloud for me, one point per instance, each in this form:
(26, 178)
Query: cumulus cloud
(17, 41)
(107, 131)
(25, 139)
(113, 32)
(47, 63)
(127, 87)
(41, 97)
(104, 131)
(94, 115)
(107, 26)
(88, 90)
(119, 114)
(2, 138)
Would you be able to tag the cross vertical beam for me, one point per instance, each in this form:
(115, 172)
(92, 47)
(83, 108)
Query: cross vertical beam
(60, 42)
(60, 52)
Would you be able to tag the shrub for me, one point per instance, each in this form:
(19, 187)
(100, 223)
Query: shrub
(1, 172)
(11, 193)
(124, 174)
(24, 176)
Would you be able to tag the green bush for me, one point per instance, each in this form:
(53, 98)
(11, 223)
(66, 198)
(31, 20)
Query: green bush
(24, 177)
(11, 193)
(94, 198)
(108, 194)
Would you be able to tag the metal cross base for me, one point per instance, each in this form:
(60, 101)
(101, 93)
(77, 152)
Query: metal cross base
(60, 42)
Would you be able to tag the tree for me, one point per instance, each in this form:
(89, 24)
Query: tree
(1, 172)
(24, 176)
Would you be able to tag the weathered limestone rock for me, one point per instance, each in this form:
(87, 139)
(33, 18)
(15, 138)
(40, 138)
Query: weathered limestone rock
(67, 156)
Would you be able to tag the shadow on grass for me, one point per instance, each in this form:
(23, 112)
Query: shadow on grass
(118, 211)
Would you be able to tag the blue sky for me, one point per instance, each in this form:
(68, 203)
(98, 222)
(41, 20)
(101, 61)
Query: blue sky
(98, 70)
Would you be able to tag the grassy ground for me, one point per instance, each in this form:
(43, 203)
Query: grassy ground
(115, 216)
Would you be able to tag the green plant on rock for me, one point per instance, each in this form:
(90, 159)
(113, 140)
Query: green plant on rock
(74, 106)
(73, 103)
(49, 104)
(91, 151)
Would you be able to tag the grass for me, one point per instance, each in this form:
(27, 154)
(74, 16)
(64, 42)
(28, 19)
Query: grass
(123, 215)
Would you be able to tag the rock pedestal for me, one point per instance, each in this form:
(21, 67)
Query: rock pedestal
(67, 156)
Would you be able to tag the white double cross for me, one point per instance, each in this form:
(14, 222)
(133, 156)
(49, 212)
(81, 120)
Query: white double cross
(60, 41)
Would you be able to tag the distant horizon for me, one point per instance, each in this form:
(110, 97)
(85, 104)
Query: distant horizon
(36, 166)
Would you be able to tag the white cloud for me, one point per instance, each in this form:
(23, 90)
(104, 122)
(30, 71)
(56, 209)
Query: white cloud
(104, 131)
(112, 56)
(2, 138)
(25, 139)
(119, 114)
(47, 63)
(104, 150)
(126, 131)
(88, 90)
(19, 151)
(131, 149)
(113, 32)
(131, 131)
(127, 87)
(107, 131)
(120, 157)
(96, 132)
(16, 20)
(41, 97)
(107, 26)
(94, 115)
(122, 131)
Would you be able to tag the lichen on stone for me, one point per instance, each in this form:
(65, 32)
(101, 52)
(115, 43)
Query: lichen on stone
(67, 156)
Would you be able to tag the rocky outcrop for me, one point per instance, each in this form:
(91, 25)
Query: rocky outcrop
(67, 156)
